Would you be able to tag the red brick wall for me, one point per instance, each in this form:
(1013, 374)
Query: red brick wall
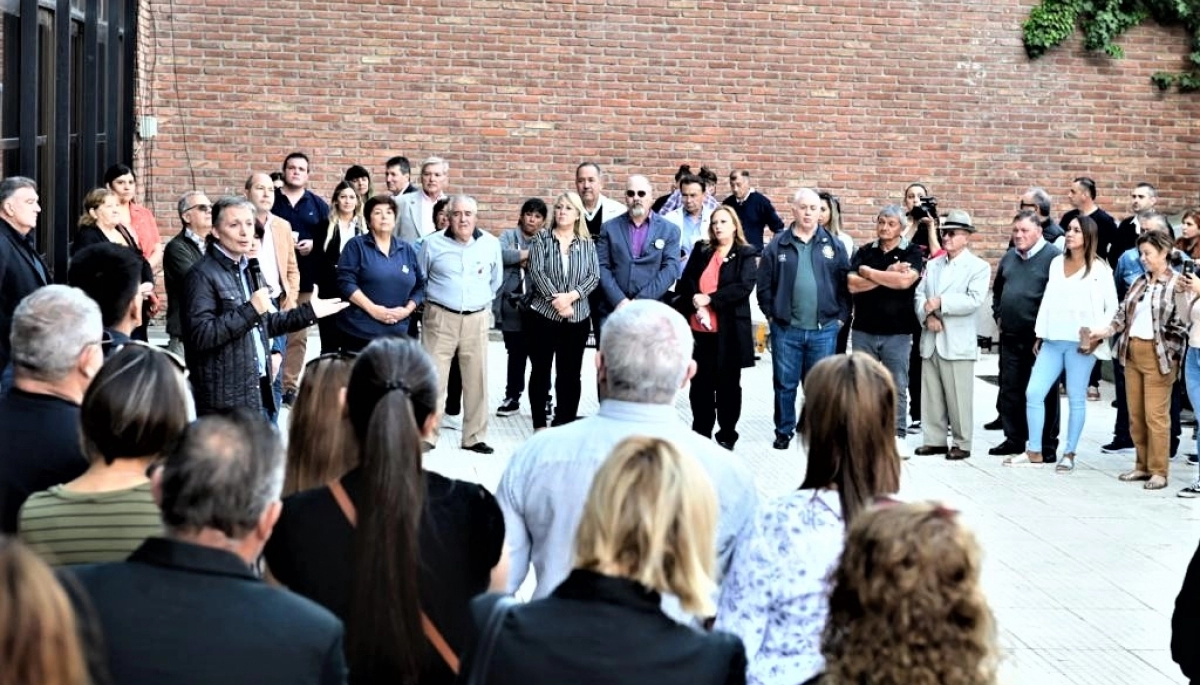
(857, 96)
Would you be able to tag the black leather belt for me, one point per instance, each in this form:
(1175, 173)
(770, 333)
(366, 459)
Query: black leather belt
(455, 311)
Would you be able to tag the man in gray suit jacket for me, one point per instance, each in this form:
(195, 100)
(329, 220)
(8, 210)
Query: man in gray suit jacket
(414, 211)
(953, 290)
(638, 251)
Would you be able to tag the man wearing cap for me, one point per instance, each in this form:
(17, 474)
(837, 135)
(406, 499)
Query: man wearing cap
(952, 291)
(883, 279)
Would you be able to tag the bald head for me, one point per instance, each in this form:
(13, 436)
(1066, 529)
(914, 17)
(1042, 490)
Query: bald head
(639, 195)
(806, 211)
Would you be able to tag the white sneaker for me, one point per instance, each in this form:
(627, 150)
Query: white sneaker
(452, 421)
(902, 448)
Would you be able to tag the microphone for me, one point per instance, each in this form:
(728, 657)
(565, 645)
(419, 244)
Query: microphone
(255, 274)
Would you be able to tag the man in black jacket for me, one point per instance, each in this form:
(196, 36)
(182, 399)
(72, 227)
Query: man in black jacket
(22, 269)
(228, 317)
(189, 608)
(180, 255)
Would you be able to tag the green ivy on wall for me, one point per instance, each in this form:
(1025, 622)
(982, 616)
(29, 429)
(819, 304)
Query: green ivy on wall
(1103, 21)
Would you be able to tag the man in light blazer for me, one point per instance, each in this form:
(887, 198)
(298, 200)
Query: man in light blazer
(414, 211)
(638, 251)
(954, 288)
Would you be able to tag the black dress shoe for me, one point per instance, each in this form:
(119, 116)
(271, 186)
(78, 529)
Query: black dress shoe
(480, 447)
(994, 425)
(1006, 449)
(926, 450)
(781, 441)
(956, 454)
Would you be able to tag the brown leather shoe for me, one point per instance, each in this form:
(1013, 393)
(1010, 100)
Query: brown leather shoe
(926, 450)
(956, 454)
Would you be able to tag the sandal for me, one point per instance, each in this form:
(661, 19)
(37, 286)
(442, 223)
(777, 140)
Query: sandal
(1093, 394)
(1023, 460)
(1155, 483)
(1133, 475)
(1066, 464)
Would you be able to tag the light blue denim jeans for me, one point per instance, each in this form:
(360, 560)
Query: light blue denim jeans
(1191, 378)
(1055, 356)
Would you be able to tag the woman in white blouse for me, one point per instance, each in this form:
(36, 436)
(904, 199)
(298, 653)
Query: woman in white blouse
(1080, 294)
(774, 596)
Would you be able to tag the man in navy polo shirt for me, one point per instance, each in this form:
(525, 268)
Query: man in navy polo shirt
(308, 214)
(883, 280)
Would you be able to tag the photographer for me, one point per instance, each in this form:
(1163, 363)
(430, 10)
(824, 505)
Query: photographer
(921, 209)
(922, 231)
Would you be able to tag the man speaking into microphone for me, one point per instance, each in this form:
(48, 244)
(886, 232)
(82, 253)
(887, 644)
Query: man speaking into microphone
(228, 317)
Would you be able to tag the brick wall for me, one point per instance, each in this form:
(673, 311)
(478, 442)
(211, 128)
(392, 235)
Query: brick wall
(857, 96)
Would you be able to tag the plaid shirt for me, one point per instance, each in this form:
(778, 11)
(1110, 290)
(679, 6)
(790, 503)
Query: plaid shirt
(1166, 315)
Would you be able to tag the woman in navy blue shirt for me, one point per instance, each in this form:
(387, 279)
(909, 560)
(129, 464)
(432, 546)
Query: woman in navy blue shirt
(378, 274)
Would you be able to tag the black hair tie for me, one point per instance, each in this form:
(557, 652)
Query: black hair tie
(396, 385)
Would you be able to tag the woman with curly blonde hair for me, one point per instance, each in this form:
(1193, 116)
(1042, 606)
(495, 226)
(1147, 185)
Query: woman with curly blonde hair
(906, 607)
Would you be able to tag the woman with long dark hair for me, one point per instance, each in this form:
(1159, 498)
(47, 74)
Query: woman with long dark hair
(774, 596)
(321, 445)
(1080, 294)
(120, 179)
(714, 295)
(831, 219)
(395, 551)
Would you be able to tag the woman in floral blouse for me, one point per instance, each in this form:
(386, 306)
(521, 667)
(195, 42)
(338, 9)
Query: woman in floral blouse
(774, 596)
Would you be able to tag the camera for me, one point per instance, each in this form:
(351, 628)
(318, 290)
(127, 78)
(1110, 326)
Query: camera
(926, 210)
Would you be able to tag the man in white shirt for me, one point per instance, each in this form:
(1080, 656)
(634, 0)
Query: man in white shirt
(414, 211)
(691, 216)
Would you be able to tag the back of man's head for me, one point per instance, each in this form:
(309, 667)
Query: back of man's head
(110, 274)
(51, 327)
(223, 474)
(646, 353)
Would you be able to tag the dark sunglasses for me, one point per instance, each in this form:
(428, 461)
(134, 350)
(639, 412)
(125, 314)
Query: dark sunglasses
(176, 360)
(632, 193)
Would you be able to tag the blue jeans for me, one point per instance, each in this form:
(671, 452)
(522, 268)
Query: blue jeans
(1191, 377)
(1054, 357)
(893, 352)
(794, 351)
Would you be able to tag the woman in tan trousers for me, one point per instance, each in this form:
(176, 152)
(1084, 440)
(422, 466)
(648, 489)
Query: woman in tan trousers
(1152, 336)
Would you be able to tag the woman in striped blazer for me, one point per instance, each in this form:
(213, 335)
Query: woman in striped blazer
(562, 271)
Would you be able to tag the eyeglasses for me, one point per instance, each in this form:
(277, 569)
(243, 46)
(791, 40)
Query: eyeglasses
(633, 193)
(203, 208)
(340, 355)
(1028, 205)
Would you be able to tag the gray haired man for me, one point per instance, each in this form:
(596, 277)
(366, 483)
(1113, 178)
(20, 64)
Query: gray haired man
(645, 357)
(180, 254)
(463, 271)
(56, 336)
(184, 597)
